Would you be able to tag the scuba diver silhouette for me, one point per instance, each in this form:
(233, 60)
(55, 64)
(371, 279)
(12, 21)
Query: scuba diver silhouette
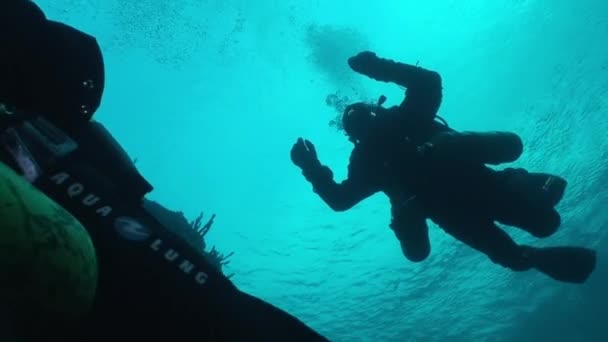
(430, 171)
(152, 285)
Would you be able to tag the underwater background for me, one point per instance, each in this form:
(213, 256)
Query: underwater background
(210, 95)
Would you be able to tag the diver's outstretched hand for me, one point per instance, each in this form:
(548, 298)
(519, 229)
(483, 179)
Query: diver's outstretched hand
(304, 154)
(362, 62)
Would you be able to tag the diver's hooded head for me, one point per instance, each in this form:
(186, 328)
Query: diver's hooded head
(50, 68)
(364, 122)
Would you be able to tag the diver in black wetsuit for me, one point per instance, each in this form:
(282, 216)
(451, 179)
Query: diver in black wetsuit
(153, 286)
(430, 171)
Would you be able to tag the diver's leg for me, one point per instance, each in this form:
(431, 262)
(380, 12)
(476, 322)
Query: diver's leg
(486, 237)
(411, 229)
(539, 222)
(566, 264)
(542, 223)
(527, 201)
(541, 190)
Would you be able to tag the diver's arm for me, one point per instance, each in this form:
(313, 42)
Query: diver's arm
(338, 196)
(424, 87)
(387, 70)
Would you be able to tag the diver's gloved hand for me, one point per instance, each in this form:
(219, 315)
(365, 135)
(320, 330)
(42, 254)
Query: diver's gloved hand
(304, 155)
(363, 62)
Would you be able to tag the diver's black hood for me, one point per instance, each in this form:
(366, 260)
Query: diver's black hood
(48, 67)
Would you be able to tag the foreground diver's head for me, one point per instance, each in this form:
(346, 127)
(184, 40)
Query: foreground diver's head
(363, 121)
(51, 69)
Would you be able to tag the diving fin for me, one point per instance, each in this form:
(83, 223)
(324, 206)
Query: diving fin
(566, 264)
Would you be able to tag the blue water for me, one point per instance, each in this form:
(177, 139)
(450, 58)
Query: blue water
(209, 96)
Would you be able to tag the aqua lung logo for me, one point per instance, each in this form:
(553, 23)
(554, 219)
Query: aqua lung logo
(77, 191)
(128, 228)
(172, 256)
(131, 229)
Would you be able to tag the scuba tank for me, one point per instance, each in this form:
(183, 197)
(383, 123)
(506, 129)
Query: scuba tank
(492, 148)
(48, 264)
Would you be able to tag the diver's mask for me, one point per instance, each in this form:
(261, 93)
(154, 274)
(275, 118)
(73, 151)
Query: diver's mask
(361, 120)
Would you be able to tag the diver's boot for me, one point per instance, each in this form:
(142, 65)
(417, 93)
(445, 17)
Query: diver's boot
(567, 264)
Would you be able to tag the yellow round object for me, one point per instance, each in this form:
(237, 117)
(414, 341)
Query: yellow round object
(48, 264)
